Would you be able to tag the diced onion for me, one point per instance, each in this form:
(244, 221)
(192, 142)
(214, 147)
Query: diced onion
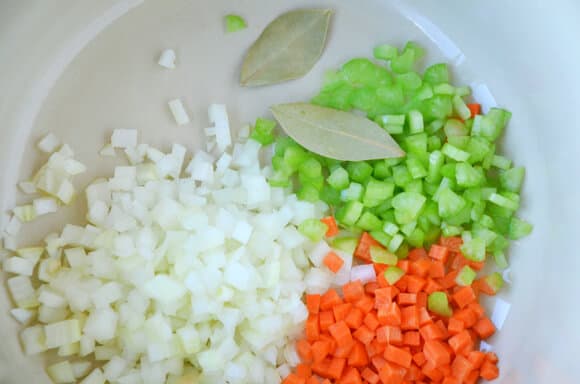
(178, 110)
(364, 272)
(167, 59)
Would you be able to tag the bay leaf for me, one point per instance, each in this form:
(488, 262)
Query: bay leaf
(287, 48)
(335, 134)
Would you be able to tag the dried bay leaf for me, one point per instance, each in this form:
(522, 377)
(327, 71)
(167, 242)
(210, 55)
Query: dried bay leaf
(335, 134)
(287, 48)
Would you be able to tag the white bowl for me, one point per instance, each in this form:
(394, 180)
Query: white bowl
(81, 69)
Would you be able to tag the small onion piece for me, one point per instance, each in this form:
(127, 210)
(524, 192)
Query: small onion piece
(364, 272)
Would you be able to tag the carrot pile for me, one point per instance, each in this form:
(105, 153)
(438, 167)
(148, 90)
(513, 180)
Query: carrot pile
(388, 333)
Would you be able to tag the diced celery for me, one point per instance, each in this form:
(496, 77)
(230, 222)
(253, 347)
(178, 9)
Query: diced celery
(432, 234)
(369, 222)
(392, 119)
(235, 23)
(468, 176)
(381, 237)
(415, 122)
(382, 256)
(283, 143)
(313, 229)
(404, 62)
(330, 195)
(407, 206)
(474, 249)
(454, 127)
(396, 242)
(294, 156)
(390, 228)
(501, 162)
(512, 179)
(465, 276)
(363, 72)
(401, 175)
(279, 179)
(495, 281)
(415, 167)
(461, 108)
(364, 99)
(504, 202)
(434, 126)
(436, 160)
(424, 92)
(519, 228)
(410, 81)
(444, 89)
(353, 192)
(438, 303)
(437, 74)
(486, 221)
(316, 182)
(449, 203)
(310, 168)
(433, 143)
(416, 238)
(346, 244)
(394, 129)
(500, 259)
(359, 171)
(477, 211)
(263, 131)
(484, 234)
(445, 183)
(378, 190)
(416, 144)
(450, 230)
(462, 217)
(449, 170)
(381, 170)
(408, 228)
(308, 192)
(454, 153)
(337, 98)
(385, 52)
(391, 95)
(439, 107)
(338, 178)
(458, 141)
(414, 186)
(473, 194)
(462, 91)
(349, 213)
(478, 149)
(418, 51)
(393, 274)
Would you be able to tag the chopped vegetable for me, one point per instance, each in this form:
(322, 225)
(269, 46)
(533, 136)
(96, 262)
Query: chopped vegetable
(235, 23)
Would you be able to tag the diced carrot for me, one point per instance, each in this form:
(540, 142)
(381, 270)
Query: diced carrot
(354, 319)
(484, 328)
(477, 308)
(304, 370)
(443, 327)
(326, 381)
(329, 300)
(398, 356)
(321, 367)
(384, 296)
(467, 315)
(312, 328)
(445, 369)
(491, 356)
(452, 243)
(325, 319)
(331, 225)
(358, 356)
(437, 270)
(390, 335)
(461, 367)
(421, 299)
(477, 265)
(370, 288)
(294, 379)
(489, 371)
(417, 254)
(436, 352)
(413, 374)
(450, 380)
(415, 284)
(378, 362)
(419, 358)
(449, 280)
(431, 332)
(351, 375)
(476, 358)
(371, 321)
(344, 350)
(376, 348)
(460, 342)
(432, 286)
(455, 326)
(392, 374)
(304, 350)
(420, 267)
(312, 380)
(474, 108)
(404, 265)
(430, 370)
(370, 376)
(458, 261)
(320, 349)
(335, 368)
(330, 340)
(464, 296)
(341, 333)
(412, 338)
(407, 299)
(472, 377)
(439, 253)
(333, 261)
(424, 317)
(480, 285)
(365, 304)
(401, 284)
(341, 311)
(410, 318)
(313, 303)
(363, 249)
(393, 315)
(353, 291)
(364, 334)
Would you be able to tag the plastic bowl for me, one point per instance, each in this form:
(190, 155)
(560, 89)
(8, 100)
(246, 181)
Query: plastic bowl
(81, 69)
